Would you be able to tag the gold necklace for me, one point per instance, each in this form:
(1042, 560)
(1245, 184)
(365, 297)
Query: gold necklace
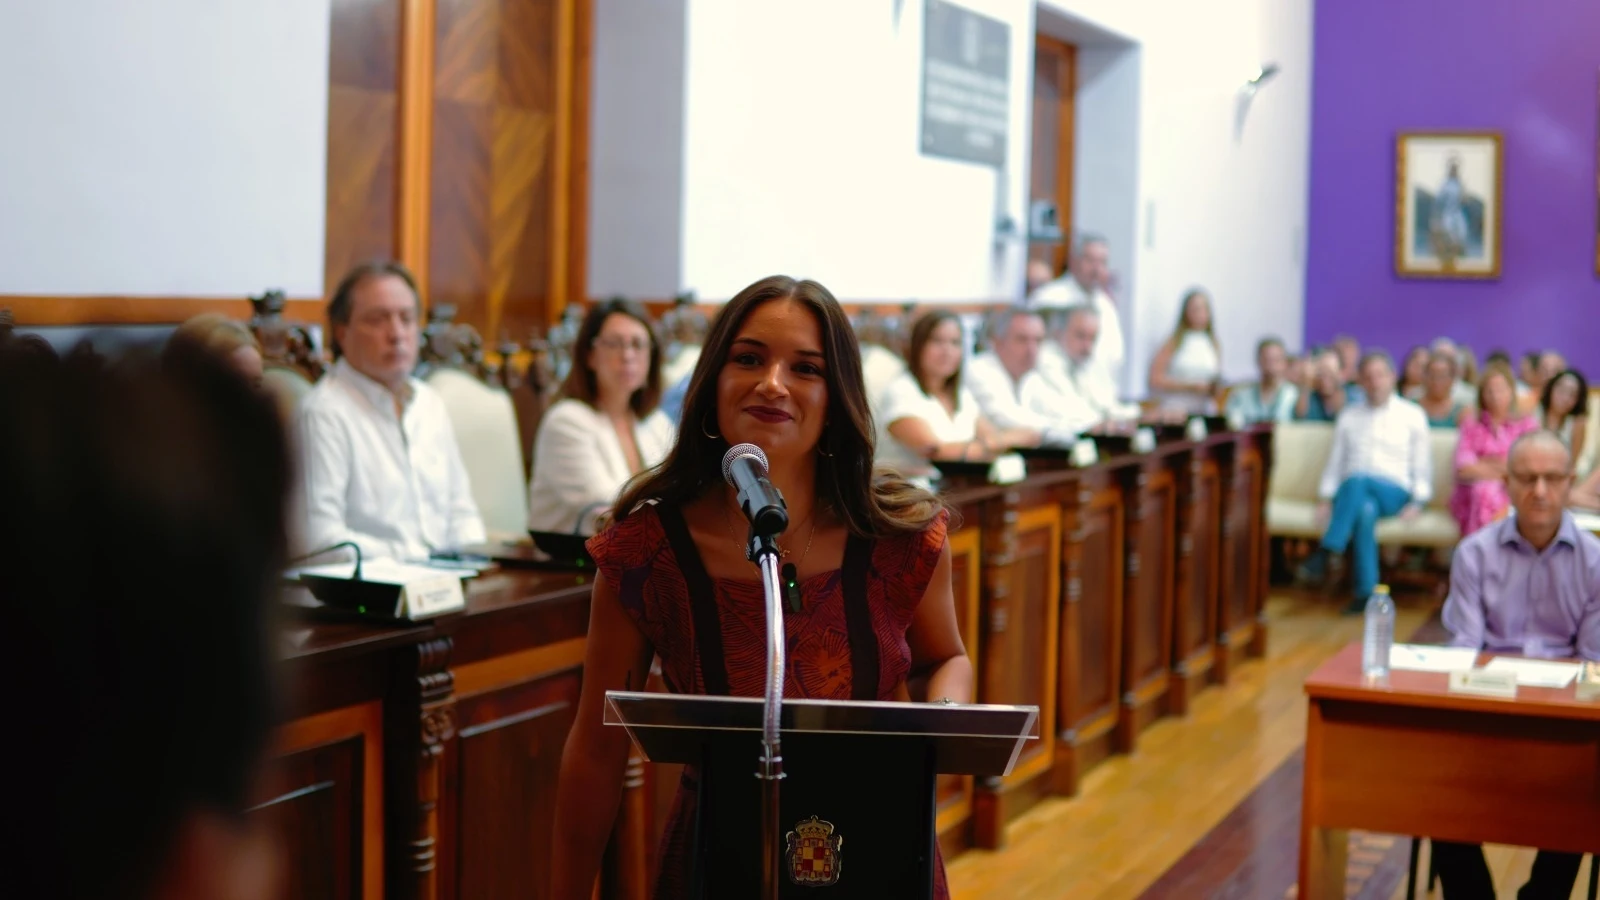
(782, 553)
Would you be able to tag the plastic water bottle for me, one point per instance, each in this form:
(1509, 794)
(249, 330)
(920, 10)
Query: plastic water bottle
(1379, 634)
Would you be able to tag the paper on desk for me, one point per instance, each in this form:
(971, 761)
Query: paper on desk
(1424, 658)
(1535, 672)
(386, 571)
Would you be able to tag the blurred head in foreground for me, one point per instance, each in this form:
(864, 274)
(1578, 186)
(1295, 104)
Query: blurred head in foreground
(141, 533)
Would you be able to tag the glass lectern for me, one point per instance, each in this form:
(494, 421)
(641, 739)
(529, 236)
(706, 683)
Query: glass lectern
(856, 803)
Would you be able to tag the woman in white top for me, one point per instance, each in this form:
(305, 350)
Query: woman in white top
(606, 428)
(1187, 370)
(925, 412)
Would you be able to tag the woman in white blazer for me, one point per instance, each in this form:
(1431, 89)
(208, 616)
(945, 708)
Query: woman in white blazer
(606, 428)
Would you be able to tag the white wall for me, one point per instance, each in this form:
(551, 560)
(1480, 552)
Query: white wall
(802, 155)
(172, 148)
(1211, 207)
(636, 149)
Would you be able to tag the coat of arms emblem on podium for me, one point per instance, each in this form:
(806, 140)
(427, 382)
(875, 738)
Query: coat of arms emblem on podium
(813, 853)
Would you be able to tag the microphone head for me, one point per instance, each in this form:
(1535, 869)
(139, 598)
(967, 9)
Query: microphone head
(738, 450)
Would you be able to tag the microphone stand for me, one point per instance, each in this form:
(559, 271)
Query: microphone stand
(763, 551)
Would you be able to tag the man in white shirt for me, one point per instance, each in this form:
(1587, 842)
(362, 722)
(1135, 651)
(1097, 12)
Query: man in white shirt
(1078, 375)
(381, 465)
(1011, 392)
(1380, 466)
(1085, 283)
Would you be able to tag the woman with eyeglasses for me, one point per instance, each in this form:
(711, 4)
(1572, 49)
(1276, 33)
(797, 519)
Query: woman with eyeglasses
(606, 428)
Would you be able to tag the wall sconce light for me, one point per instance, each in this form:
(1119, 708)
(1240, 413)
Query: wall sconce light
(1263, 74)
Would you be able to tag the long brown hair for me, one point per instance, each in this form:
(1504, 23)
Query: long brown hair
(1183, 317)
(581, 384)
(921, 333)
(870, 504)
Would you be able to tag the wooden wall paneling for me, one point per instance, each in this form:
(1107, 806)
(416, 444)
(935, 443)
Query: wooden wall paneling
(996, 669)
(1028, 653)
(1241, 480)
(507, 764)
(1260, 440)
(1090, 667)
(364, 65)
(1147, 595)
(954, 792)
(415, 746)
(576, 227)
(509, 146)
(413, 219)
(1055, 75)
(324, 798)
(1194, 621)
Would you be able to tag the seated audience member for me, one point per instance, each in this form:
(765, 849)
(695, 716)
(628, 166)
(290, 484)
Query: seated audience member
(1380, 466)
(1272, 398)
(382, 468)
(1412, 372)
(605, 429)
(227, 339)
(1038, 275)
(1527, 376)
(928, 414)
(144, 638)
(1480, 495)
(1564, 408)
(1294, 369)
(1527, 585)
(1011, 393)
(1550, 365)
(1076, 373)
(1088, 274)
(1186, 373)
(1349, 352)
(1465, 389)
(1439, 400)
(1323, 391)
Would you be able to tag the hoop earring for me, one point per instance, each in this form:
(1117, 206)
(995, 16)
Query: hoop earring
(707, 432)
(821, 452)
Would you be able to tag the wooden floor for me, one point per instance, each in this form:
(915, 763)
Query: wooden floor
(1138, 815)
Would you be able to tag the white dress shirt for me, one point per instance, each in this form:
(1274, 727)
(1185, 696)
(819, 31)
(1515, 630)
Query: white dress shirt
(1110, 348)
(879, 367)
(1029, 402)
(579, 468)
(1089, 384)
(392, 483)
(1389, 442)
(904, 399)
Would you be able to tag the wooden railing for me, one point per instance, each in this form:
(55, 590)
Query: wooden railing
(1108, 595)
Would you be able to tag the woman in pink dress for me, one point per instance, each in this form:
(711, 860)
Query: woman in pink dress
(1486, 436)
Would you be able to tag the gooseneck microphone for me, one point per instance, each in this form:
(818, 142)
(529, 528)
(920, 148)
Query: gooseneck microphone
(744, 467)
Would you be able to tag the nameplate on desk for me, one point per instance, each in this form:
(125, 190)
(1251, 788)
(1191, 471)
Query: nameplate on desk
(1085, 453)
(1484, 683)
(1008, 468)
(1144, 440)
(1196, 429)
(424, 598)
(1236, 421)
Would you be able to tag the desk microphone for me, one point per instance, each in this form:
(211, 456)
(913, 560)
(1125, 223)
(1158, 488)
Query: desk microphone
(354, 576)
(745, 468)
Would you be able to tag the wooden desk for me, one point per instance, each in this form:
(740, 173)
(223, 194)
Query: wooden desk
(1413, 758)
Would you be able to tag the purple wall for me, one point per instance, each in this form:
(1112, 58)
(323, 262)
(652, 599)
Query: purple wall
(1526, 68)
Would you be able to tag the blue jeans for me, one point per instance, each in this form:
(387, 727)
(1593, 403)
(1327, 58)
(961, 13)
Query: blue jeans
(1361, 501)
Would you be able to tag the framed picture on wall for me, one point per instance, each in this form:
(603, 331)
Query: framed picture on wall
(1447, 204)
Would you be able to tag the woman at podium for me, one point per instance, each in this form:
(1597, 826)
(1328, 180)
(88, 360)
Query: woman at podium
(871, 605)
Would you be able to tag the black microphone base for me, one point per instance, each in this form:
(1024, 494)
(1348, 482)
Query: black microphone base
(346, 599)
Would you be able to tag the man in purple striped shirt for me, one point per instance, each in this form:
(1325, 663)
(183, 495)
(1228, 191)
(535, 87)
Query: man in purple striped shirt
(1528, 585)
